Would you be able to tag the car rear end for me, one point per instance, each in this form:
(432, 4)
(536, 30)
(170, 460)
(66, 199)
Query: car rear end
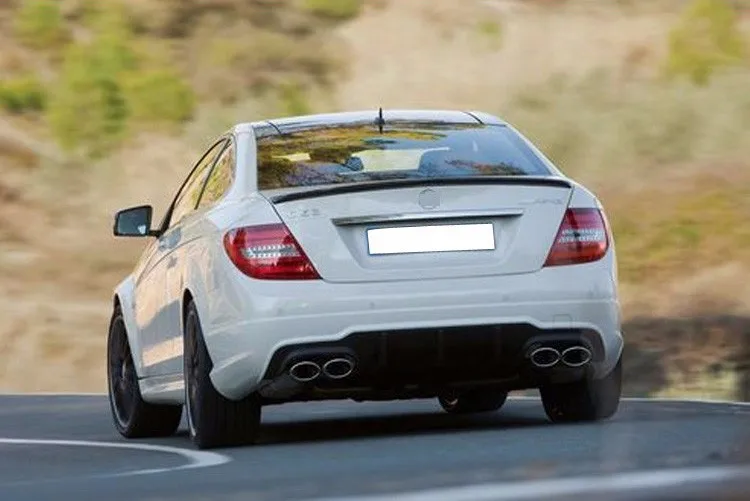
(405, 258)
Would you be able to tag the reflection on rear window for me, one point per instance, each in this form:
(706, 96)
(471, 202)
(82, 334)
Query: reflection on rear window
(360, 153)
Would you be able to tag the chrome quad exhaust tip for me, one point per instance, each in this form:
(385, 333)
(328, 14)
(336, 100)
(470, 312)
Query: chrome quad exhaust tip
(338, 368)
(304, 371)
(576, 356)
(544, 357)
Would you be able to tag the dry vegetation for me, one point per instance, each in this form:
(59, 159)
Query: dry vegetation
(659, 128)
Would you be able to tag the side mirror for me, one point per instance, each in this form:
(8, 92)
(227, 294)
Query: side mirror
(134, 222)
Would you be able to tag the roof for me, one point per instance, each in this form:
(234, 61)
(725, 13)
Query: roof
(295, 123)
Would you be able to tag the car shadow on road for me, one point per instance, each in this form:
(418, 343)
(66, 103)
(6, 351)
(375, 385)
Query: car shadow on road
(363, 427)
(352, 427)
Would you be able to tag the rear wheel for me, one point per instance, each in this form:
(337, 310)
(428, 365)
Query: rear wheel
(585, 400)
(473, 401)
(133, 417)
(213, 420)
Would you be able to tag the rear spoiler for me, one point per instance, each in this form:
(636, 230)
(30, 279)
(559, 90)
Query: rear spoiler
(342, 189)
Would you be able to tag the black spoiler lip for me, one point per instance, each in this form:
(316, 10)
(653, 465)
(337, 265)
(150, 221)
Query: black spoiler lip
(329, 190)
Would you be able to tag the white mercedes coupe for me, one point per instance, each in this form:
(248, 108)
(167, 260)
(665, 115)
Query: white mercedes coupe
(368, 255)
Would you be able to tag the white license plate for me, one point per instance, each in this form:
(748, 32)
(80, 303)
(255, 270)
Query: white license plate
(436, 238)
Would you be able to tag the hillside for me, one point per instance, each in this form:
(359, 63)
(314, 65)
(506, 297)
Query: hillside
(659, 128)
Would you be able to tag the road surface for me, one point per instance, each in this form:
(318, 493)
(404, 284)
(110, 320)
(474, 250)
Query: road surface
(64, 448)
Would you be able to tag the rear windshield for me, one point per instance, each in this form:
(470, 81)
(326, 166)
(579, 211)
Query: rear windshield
(360, 153)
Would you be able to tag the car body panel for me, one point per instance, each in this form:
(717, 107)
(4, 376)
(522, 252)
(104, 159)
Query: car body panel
(289, 124)
(124, 294)
(525, 220)
(246, 328)
(246, 320)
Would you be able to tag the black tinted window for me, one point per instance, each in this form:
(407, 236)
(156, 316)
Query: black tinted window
(187, 200)
(360, 153)
(220, 179)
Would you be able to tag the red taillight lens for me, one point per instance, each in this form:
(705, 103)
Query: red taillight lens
(582, 238)
(268, 252)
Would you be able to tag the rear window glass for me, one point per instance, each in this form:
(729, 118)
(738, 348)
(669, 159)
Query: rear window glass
(360, 153)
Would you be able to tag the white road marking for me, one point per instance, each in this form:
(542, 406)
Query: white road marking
(195, 459)
(623, 482)
(536, 489)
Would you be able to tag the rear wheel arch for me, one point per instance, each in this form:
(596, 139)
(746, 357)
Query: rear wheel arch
(122, 300)
(193, 286)
(213, 420)
(132, 415)
(189, 297)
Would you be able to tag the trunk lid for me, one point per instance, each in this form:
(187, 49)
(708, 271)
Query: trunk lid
(425, 230)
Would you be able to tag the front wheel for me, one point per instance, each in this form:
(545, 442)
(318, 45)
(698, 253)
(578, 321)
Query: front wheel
(585, 400)
(213, 420)
(133, 417)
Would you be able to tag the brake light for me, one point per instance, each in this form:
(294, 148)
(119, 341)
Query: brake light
(582, 238)
(268, 252)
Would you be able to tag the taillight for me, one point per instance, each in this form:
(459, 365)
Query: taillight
(268, 252)
(582, 238)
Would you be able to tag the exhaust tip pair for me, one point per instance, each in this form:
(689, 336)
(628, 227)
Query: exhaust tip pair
(545, 357)
(335, 368)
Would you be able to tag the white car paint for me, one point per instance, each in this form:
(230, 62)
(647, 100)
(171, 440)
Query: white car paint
(245, 320)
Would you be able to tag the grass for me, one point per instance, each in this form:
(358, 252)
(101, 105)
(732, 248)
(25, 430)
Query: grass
(334, 9)
(39, 24)
(707, 38)
(668, 160)
(149, 63)
(22, 94)
(491, 30)
(721, 385)
(605, 129)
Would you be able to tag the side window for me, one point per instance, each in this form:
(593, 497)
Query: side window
(188, 197)
(220, 179)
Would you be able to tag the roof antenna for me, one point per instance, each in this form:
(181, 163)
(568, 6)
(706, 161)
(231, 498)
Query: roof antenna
(380, 121)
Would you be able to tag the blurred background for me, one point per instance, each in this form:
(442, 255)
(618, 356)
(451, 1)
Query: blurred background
(107, 104)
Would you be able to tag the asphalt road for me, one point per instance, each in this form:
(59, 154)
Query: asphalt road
(65, 448)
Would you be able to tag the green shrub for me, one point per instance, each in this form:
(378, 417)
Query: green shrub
(261, 60)
(113, 42)
(39, 24)
(87, 108)
(159, 95)
(492, 31)
(706, 39)
(599, 131)
(293, 100)
(334, 9)
(22, 94)
(106, 83)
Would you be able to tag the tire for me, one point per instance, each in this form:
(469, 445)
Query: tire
(213, 420)
(133, 417)
(473, 402)
(585, 400)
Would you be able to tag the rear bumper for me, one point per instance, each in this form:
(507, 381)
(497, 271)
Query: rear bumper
(428, 361)
(425, 332)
